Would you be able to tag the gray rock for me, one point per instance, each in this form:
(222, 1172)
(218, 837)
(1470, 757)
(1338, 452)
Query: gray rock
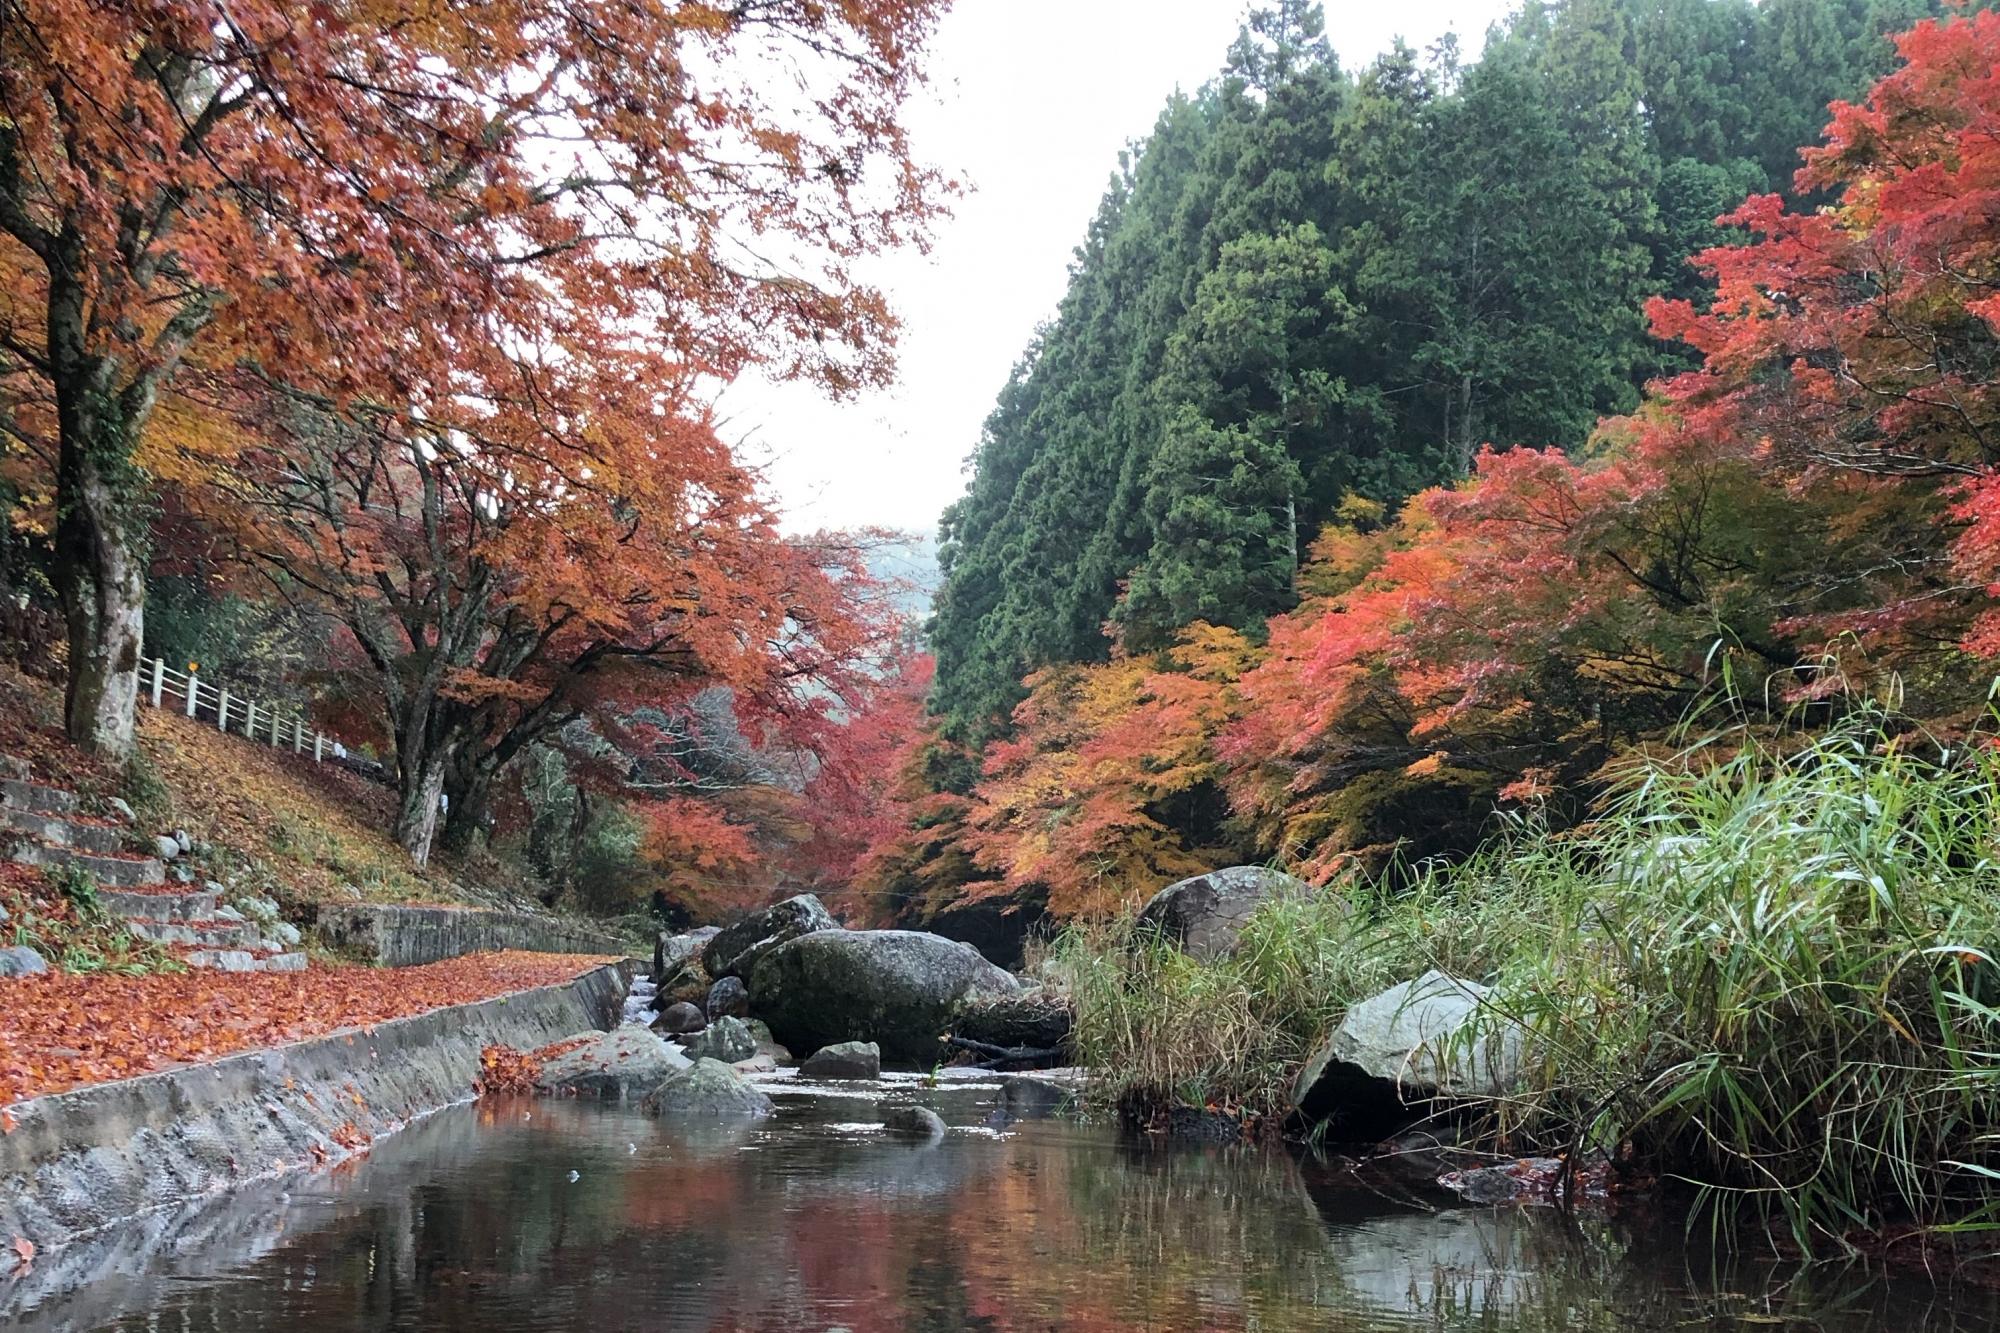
(226, 913)
(165, 846)
(121, 808)
(916, 1122)
(287, 933)
(1412, 1042)
(844, 1059)
(626, 1062)
(735, 951)
(679, 1018)
(709, 1088)
(671, 953)
(1205, 914)
(21, 961)
(728, 998)
(183, 841)
(725, 1039)
(760, 1030)
(898, 988)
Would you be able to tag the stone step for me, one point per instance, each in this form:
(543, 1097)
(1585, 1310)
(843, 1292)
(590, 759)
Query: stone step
(116, 872)
(24, 795)
(205, 933)
(242, 960)
(191, 906)
(63, 831)
(16, 768)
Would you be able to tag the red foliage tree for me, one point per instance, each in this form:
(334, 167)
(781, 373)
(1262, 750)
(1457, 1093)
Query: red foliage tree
(516, 235)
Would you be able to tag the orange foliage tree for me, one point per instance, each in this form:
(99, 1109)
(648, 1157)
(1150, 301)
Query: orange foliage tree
(499, 247)
(1107, 789)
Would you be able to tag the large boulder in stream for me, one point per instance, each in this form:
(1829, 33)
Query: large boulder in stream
(677, 967)
(1408, 1045)
(680, 1018)
(901, 989)
(844, 1059)
(626, 1062)
(735, 949)
(726, 1039)
(709, 1089)
(1205, 914)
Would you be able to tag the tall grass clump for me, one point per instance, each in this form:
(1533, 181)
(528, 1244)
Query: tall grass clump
(1229, 1032)
(1769, 970)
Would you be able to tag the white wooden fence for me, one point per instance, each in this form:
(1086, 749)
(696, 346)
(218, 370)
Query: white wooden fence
(235, 713)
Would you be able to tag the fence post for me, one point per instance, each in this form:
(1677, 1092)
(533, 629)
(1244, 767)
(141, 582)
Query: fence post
(222, 708)
(298, 733)
(193, 691)
(159, 679)
(319, 748)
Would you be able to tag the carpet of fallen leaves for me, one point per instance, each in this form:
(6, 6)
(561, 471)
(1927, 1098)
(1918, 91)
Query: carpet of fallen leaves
(59, 1030)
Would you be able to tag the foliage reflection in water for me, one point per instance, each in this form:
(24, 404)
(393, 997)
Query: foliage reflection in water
(813, 1221)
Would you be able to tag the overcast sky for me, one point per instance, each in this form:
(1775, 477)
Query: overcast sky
(1029, 103)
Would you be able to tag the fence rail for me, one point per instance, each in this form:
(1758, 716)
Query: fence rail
(241, 715)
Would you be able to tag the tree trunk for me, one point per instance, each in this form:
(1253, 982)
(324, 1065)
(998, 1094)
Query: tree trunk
(100, 537)
(417, 813)
(469, 786)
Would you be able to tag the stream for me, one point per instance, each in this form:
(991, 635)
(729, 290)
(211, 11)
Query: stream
(523, 1214)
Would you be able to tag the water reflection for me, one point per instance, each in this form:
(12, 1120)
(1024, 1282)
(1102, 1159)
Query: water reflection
(472, 1221)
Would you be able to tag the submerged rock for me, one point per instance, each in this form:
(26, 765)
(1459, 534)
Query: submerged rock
(626, 1062)
(844, 1059)
(679, 1018)
(736, 949)
(916, 1122)
(728, 998)
(1039, 1096)
(1411, 1043)
(900, 988)
(726, 1039)
(1205, 914)
(709, 1089)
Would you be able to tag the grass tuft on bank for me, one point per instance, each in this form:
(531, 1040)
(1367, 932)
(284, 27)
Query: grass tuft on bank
(1768, 967)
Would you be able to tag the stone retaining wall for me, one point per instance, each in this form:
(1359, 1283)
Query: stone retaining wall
(78, 1161)
(409, 936)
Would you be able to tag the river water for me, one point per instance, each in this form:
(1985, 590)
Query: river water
(530, 1215)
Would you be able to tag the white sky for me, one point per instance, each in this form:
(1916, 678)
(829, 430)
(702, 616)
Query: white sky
(1029, 103)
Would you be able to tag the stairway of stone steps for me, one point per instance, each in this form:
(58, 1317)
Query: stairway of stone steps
(47, 826)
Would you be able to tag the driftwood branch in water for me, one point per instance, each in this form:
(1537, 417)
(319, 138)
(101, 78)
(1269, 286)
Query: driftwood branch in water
(1003, 1055)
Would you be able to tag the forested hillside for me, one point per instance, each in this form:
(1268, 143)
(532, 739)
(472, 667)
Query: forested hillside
(1391, 459)
(1308, 286)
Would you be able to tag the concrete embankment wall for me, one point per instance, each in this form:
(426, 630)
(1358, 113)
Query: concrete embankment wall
(78, 1161)
(409, 936)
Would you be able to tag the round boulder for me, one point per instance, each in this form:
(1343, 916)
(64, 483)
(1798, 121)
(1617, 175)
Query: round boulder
(844, 1059)
(728, 998)
(735, 949)
(1205, 914)
(726, 1039)
(709, 1089)
(900, 988)
(679, 1019)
